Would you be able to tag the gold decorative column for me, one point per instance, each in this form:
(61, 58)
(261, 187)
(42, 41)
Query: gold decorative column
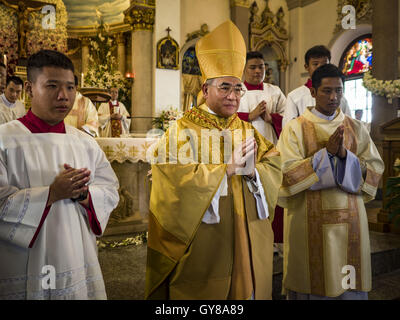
(121, 53)
(240, 15)
(141, 18)
(85, 42)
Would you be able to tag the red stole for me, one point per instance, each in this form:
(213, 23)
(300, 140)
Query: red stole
(37, 125)
(116, 125)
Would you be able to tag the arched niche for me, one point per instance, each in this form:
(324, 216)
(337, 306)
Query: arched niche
(269, 36)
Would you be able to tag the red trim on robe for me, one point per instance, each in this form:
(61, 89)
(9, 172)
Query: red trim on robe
(93, 221)
(250, 87)
(277, 123)
(44, 216)
(308, 84)
(243, 116)
(37, 125)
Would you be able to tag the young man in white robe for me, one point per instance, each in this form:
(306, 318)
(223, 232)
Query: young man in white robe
(11, 95)
(113, 117)
(83, 114)
(57, 190)
(300, 99)
(263, 106)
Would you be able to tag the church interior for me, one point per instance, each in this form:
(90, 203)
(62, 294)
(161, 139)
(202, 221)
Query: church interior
(146, 49)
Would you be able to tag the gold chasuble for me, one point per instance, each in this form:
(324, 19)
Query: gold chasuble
(325, 230)
(187, 258)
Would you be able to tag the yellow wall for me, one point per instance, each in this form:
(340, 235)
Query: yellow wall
(194, 13)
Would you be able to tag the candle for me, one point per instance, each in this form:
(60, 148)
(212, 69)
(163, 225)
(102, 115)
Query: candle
(5, 60)
(82, 80)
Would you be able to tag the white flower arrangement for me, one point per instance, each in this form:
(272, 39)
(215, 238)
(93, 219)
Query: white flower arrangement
(389, 89)
(163, 121)
(103, 67)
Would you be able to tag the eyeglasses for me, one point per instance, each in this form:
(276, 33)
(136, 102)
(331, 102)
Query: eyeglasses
(226, 89)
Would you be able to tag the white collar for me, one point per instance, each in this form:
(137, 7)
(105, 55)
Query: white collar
(322, 116)
(6, 102)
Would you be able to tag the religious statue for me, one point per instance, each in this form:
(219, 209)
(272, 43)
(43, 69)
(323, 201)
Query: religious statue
(23, 13)
(199, 33)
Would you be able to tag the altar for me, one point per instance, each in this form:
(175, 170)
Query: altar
(127, 156)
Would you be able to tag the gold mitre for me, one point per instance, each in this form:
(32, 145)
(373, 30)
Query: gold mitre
(222, 53)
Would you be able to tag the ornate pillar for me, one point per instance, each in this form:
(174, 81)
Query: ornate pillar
(85, 42)
(121, 53)
(141, 17)
(240, 15)
(385, 34)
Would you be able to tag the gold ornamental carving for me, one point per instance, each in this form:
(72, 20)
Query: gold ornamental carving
(140, 16)
(268, 29)
(363, 12)
(85, 42)
(120, 39)
(240, 3)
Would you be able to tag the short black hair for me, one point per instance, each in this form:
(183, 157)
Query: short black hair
(254, 55)
(317, 52)
(15, 79)
(76, 80)
(47, 58)
(326, 71)
(2, 65)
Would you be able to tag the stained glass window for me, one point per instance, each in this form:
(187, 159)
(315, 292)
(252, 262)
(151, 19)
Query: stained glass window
(358, 59)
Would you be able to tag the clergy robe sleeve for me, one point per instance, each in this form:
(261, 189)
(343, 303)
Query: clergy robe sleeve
(256, 188)
(104, 115)
(91, 117)
(277, 117)
(291, 111)
(297, 169)
(126, 123)
(371, 164)
(348, 173)
(21, 210)
(344, 105)
(323, 165)
(103, 191)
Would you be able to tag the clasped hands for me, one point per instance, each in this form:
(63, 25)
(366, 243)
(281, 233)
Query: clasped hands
(70, 184)
(335, 145)
(247, 150)
(261, 111)
(116, 116)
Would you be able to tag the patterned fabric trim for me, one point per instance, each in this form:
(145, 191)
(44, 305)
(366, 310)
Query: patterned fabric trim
(372, 178)
(210, 121)
(21, 215)
(316, 218)
(298, 174)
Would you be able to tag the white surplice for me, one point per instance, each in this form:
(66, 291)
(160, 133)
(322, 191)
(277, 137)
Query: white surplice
(275, 100)
(28, 165)
(299, 99)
